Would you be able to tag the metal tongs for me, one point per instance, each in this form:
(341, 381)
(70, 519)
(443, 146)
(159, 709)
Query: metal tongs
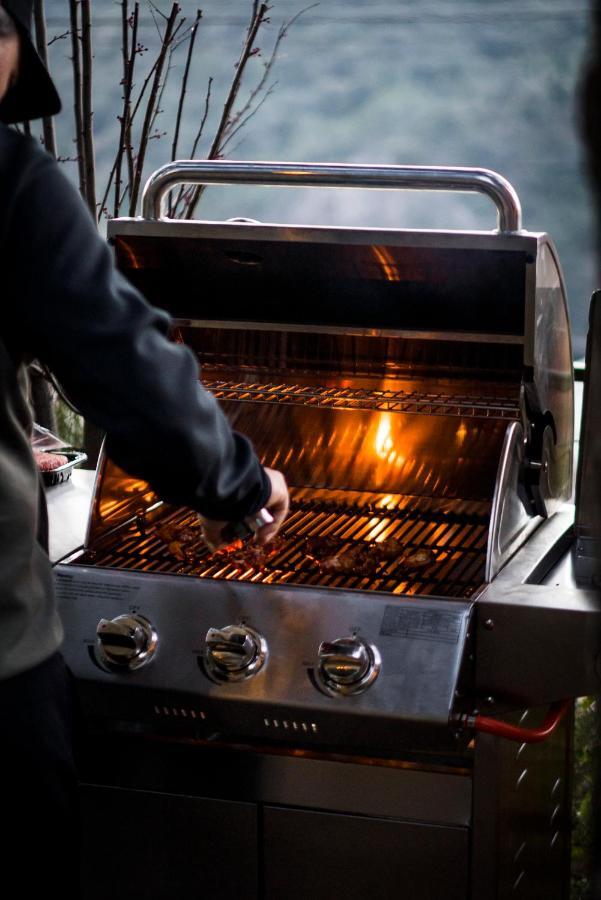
(244, 530)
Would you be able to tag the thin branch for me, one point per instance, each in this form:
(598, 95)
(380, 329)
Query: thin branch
(88, 113)
(182, 191)
(158, 11)
(282, 33)
(124, 37)
(150, 108)
(182, 94)
(247, 52)
(41, 44)
(124, 118)
(146, 80)
(184, 86)
(77, 97)
(235, 86)
(253, 16)
(58, 37)
(250, 115)
(143, 89)
(204, 118)
(158, 108)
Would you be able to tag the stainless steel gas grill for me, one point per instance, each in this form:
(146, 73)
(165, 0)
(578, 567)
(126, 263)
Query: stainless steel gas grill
(416, 388)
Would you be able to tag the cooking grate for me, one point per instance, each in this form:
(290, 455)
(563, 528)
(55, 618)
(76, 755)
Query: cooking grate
(434, 404)
(454, 531)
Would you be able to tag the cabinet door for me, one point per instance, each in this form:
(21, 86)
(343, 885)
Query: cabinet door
(323, 855)
(150, 846)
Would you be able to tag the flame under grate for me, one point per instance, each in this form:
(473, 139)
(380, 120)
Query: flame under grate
(455, 532)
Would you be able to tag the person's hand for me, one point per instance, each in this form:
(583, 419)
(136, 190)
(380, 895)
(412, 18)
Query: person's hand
(277, 505)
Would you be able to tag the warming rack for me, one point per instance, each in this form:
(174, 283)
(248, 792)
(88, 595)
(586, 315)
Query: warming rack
(434, 403)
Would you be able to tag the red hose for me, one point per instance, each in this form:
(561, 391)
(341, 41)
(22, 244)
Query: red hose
(523, 735)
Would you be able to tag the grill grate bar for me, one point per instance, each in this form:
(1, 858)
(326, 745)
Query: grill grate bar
(433, 404)
(454, 531)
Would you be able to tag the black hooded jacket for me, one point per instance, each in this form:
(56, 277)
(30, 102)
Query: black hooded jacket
(63, 302)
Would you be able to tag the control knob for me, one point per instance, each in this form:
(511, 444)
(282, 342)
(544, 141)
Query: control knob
(347, 666)
(126, 642)
(234, 652)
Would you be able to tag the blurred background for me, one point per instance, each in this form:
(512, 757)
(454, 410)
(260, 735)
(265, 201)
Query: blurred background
(488, 83)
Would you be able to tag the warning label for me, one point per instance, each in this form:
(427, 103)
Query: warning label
(421, 624)
(69, 587)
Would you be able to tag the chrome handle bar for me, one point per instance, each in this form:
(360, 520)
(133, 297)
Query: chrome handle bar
(411, 178)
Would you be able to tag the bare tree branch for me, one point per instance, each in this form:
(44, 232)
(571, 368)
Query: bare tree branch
(184, 86)
(253, 15)
(88, 113)
(150, 107)
(182, 191)
(250, 115)
(282, 33)
(124, 131)
(173, 45)
(124, 37)
(247, 52)
(41, 45)
(58, 37)
(77, 96)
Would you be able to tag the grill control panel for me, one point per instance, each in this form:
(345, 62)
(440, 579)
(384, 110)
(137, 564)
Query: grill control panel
(237, 661)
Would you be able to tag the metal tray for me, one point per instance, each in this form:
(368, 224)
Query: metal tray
(62, 473)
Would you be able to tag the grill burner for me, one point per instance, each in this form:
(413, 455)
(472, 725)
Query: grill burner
(455, 531)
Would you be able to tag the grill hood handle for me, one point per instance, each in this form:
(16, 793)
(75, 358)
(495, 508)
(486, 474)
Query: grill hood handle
(341, 175)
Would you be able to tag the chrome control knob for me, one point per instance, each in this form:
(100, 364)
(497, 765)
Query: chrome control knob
(234, 652)
(347, 666)
(125, 643)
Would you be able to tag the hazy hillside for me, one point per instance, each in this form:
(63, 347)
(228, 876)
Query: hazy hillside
(485, 83)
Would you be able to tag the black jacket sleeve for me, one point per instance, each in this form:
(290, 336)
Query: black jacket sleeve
(71, 309)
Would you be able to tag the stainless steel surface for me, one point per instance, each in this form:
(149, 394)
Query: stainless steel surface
(511, 521)
(69, 507)
(234, 652)
(549, 392)
(201, 230)
(588, 492)
(347, 666)
(538, 634)
(432, 403)
(387, 452)
(421, 647)
(353, 330)
(520, 831)
(418, 178)
(125, 643)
